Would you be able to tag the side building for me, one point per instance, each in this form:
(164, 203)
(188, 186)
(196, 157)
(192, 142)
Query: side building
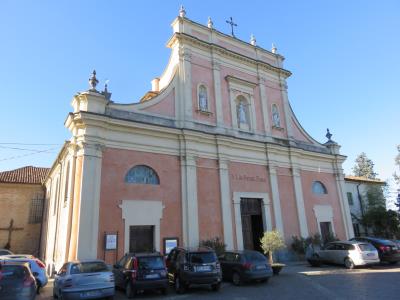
(21, 207)
(213, 150)
(356, 192)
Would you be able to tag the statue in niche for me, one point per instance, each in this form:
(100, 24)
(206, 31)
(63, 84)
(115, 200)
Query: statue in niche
(242, 113)
(276, 120)
(203, 105)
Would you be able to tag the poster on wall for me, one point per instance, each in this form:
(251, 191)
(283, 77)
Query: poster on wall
(111, 241)
(169, 244)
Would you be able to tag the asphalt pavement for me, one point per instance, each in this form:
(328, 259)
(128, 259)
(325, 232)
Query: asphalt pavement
(296, 281)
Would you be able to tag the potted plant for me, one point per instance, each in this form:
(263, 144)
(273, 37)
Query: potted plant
(271, 242)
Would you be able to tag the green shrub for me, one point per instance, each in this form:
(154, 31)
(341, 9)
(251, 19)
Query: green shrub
(216, 244)
(299, 244)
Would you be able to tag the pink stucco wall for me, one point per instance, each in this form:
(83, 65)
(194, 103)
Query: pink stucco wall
(288, 204)
(332, 199)
(202, 74)
(165, 107)
(116, 163)
(209, 200)
(297, 134)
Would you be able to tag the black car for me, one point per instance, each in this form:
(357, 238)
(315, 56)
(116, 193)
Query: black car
(141, 271)
(187, 266)
(17, 281)
(388, 251)
(245, 266)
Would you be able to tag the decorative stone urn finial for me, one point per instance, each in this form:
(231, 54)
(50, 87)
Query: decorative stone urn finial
(182, 12)
(274, 49)
(328, 135)
(106, 93)
(210, 23)
(253, 40)
(93, 81)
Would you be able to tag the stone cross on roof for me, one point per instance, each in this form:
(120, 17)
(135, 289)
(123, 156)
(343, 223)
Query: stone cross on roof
(232, 24)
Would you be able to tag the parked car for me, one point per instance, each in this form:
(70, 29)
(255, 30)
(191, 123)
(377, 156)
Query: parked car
(38, 268)
(244, 266)
(141, 271)
(347, 253)
(16, 281)
(5, 252)
(187, 266)
(85, 279)
(388, 251)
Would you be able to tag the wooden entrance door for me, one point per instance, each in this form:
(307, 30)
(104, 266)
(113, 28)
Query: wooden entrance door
(252, 224)
(141, 238)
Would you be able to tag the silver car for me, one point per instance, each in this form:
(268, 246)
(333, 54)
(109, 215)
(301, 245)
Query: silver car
(347, 253)
(86, 279)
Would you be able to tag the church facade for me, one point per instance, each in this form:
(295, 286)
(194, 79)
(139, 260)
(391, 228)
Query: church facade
(213, 150)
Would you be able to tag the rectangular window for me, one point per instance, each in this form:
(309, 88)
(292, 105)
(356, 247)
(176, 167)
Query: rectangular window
(36, 210)
(350, 198)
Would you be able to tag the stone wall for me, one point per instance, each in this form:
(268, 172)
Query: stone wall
(15, 203)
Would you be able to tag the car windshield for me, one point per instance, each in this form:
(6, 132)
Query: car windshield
(366, 247)
(12, 272)
(89, 267)
(150, 263)
(202, 257)
(254, 256)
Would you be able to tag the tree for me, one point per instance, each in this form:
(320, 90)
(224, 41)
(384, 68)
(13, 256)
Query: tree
(364, 167)
(397, 163)
(384, 223)
(271, 242)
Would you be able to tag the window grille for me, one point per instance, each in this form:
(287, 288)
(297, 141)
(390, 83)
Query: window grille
(36, 210)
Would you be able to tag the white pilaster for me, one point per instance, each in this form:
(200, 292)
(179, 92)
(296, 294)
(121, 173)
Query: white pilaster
(301, 212)
(264, 104)
(187, 83)
(344, 206)
(276, 199)
(286, 108)
(90, 202)
(226, 203)
(189, 202)
(217, 91)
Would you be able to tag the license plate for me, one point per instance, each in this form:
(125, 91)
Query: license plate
(261, 267)
(90, 294)
(203, 268)
(152, 276)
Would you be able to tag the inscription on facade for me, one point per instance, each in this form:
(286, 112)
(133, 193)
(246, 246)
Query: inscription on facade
(247, 178)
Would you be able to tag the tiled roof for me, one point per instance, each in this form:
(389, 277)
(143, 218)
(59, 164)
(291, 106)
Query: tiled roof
(29, 174)
(363, 179)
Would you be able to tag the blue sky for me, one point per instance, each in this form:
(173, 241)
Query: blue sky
(344, 56)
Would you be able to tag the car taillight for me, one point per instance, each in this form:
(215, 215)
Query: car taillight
(28, 281)
(385, 248)
(68, 283)
(135, 268)
(40, 264)
(218, 266)
(247, 266)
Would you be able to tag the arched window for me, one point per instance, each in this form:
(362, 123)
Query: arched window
(318, 188)
(276, 119)
(242, 110)
(203, 98)
(142, 174)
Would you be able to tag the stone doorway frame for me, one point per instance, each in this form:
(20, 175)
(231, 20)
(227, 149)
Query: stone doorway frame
(266, 213)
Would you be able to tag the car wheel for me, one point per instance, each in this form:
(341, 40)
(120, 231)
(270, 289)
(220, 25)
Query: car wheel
(348, 263)
(265, 280)
(236, 280)
(164, 291)
(314, 261)
(216, 287)
(129, 291)
(179, 286)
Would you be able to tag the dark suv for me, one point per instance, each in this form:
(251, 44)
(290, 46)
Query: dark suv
(188, 266)
(141, 271)
(387, 250)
